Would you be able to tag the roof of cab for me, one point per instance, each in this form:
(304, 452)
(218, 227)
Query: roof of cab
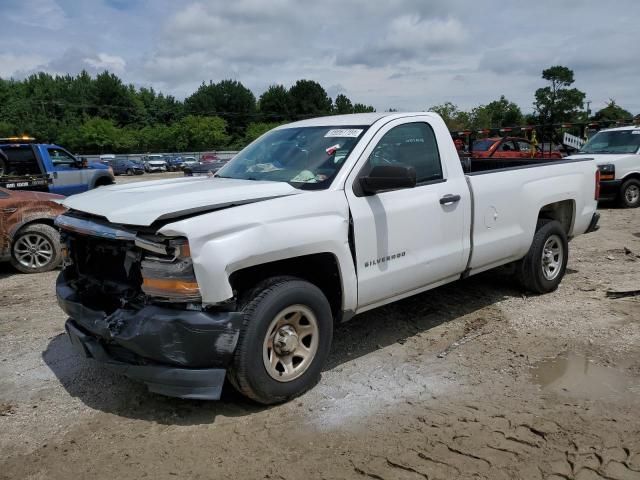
(354, 119)
(616, 129)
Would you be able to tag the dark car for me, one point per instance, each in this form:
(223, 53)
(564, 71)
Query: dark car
(174, 163)
(204, 168)
(28, 238)
(124, 166)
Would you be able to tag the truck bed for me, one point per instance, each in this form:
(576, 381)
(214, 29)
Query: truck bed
(472, 165)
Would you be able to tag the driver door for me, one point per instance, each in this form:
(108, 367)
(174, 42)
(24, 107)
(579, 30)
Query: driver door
(407, 239)
(68, 177)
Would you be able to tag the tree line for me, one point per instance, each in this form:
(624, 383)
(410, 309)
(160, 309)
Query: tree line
(556, 103)
(103, 114)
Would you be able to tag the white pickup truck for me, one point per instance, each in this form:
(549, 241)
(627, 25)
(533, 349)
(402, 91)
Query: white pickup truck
(616, 151)
(180, 283)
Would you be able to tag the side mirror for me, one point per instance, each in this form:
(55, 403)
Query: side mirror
(388, 177)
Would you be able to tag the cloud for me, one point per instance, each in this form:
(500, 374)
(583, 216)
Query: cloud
(406, 54)
(35, 13)
(104, 61)
(10, 63)
(408, 37)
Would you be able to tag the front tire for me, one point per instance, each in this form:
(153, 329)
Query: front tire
(630, 193)
(36, 249)
(129, 172)
(544, 266)
(284, 342)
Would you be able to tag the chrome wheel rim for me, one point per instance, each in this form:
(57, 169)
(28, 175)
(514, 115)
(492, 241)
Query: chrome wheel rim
(632, 193)
(33, 251)
(291, 343)
(552, 257)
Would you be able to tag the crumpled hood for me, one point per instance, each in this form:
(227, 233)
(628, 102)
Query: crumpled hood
(601, 158)
(142, 203)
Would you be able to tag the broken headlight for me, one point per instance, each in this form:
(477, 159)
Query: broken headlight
(170, 277)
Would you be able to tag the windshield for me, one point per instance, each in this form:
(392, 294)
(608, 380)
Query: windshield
(613, 141)
(483, 145)
(305, 157)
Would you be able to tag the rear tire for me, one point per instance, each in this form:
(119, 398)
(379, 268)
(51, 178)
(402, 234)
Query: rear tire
(284, 342)
(630, 194)
(544, 266)
(36, 249)
(129, 172)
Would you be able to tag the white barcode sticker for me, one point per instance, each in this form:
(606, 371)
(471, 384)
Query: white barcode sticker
(344, 132)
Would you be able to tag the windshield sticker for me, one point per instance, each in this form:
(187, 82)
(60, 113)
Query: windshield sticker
(344, 132)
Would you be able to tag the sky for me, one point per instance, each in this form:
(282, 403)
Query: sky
(402, 54)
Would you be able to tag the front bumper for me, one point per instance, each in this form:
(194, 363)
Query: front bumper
(610, 189)
(177, 353)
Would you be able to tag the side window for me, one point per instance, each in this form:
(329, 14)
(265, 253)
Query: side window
(60, 157)
(413, 145)
(524, 146)
(508, 146)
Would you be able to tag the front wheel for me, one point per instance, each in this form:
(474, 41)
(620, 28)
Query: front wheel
(285, 341)
(630, 193)
(544, 266)
(129, 172)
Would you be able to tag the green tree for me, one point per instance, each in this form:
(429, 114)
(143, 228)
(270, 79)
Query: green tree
(499, 113)
(612, 112)
(455, 118)
(275, 103)
(228, 99)
(308, 99)
(98, 135)
(343, 105)
(362, 108)
(200, 133)
(255, 130)
(557, 102)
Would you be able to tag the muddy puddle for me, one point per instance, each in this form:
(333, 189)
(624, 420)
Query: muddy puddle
(578, 375)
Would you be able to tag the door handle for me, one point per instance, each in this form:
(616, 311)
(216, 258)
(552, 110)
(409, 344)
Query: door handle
(449, 199)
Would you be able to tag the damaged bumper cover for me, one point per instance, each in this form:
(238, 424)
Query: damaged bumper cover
(178, 353)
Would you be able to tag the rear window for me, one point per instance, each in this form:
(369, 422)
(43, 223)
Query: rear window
(21, 160)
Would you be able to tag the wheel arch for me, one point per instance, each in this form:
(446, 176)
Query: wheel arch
(319, 269)
(563, 211)
(102, 180)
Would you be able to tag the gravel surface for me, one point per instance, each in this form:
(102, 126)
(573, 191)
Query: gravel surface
(471, 380)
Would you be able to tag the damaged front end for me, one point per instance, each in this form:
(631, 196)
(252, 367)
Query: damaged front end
(135, 305)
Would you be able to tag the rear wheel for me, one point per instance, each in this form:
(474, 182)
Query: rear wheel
(36, 248)
(129, 172)
(544, 266)
(285, 341)
(630, 193)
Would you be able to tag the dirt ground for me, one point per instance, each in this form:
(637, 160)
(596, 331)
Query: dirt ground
(471, 380)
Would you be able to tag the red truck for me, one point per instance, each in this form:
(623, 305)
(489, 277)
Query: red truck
(510, 147)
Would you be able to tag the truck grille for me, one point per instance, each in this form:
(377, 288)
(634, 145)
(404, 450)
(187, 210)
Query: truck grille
(103, 267)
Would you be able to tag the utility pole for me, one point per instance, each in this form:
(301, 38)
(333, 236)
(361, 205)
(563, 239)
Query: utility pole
(588, 102)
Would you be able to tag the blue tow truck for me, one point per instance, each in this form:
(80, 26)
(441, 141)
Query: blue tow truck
(26, 165)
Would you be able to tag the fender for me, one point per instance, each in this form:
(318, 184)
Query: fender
(226, 241)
